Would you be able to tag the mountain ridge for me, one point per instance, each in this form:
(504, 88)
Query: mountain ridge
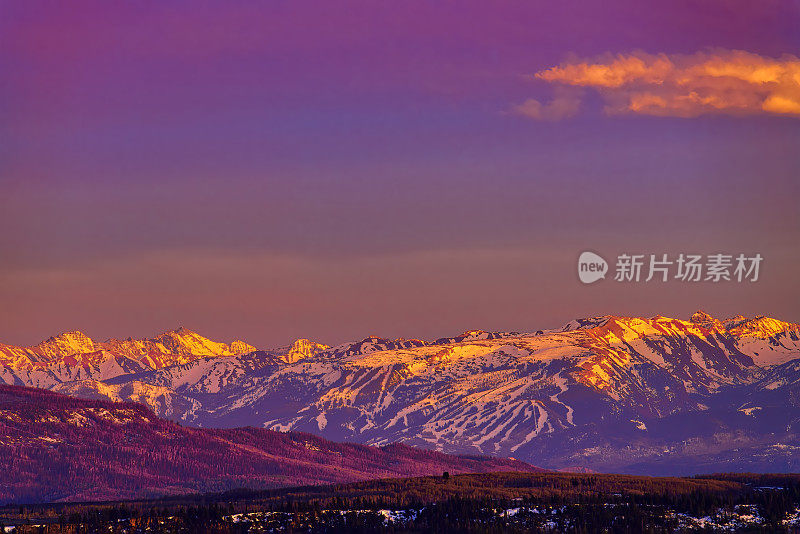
(55, 447)
(173, 346)
(583, 385)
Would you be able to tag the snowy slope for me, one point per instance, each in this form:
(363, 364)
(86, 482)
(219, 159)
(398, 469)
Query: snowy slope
(502, 393)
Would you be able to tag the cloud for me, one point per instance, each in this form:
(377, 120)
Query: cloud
(558, 108)
(723, 82)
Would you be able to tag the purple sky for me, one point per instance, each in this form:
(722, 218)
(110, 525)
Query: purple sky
(268, 171)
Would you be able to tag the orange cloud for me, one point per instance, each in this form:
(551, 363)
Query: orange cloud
(731, 82)
(622, 70)
(558, 108)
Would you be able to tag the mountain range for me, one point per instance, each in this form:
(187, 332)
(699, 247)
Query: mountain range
(616, 394)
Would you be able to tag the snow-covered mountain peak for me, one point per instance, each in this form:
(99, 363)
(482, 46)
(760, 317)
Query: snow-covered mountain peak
(704, 319)
(177, 346)
(474, 334)
(302, 349)
(178, 333)
(187, 342)
(736, 320)
(239, 347)
(762, 327)
(66, 344)
(584, 323)
(627, 329)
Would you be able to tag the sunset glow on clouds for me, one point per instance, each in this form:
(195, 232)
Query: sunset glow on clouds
(731, 82)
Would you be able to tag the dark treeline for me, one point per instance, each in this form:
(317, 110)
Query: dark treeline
(468, 503)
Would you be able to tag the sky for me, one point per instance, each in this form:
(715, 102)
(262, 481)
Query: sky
(332, 170)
